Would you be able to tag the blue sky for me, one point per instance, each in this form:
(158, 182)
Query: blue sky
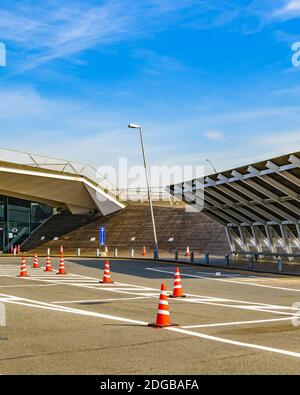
(207, 79)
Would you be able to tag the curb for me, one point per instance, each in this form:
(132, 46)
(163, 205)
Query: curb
(166, 260)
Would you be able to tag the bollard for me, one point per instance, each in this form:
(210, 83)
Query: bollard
(132, 253)
(206, 258)
(97, 252)
(15, 251)
(78, 251)
(155, 254)
(251, 263)
(227, 260)
(192, 256)
(176, 255)
(279, 264)
(116, 253)
(48, 251)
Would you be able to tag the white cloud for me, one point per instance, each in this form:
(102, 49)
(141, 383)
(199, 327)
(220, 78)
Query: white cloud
(213, 135)
(44, 31)
(290, 9)
(279, 143)
(157, 63)
(75, 130)
(292, 6)
(62, 127)
(52, 30)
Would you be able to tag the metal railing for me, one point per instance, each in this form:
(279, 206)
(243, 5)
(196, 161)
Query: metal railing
(59, 165)
(87, 171)
(265, 254)
(158, 194)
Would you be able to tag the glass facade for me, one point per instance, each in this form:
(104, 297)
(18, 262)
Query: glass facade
(18, 219)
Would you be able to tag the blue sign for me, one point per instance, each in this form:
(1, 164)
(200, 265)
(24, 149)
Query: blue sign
(102, 235)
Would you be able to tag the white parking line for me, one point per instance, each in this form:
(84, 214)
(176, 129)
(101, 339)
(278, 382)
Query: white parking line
(101, 300)
(62, 309)
(243, 307)
(29, 285)
(198, 299)
(236, 343)
(238, 323)
(231, 275)
(225, 280)
(113, 287)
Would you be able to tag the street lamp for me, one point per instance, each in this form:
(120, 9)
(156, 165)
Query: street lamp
(210, 162)
(135, 126)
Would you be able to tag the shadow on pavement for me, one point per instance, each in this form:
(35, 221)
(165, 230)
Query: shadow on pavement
(139, 269)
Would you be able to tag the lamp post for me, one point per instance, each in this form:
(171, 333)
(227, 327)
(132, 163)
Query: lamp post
(135, 126)
(210, 162)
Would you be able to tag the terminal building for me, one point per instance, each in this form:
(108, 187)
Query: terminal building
(33, 188)
(45, 202)
(18, 219)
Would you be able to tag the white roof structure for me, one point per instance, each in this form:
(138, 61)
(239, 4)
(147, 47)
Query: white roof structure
(259, 204)
(59, 183)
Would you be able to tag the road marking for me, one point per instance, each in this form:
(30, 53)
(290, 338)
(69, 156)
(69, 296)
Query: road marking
(47, 306)
(129, 289)
(250, 308)
(29, 285)
(195, 298)
(225, 280)
(237, 323)
(256, 307)
(236, 343)
(60, 281)
(63, 309)
(232, 275)
(202, 299)
(97, 286)
(100, 300)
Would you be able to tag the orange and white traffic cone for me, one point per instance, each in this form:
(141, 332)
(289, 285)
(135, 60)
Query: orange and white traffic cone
(177, 290)
(163, 315)
(19, 249)
(23, 271)
(35, 262)
(106, 274)
(187, 253)
(61, 251)
(144, 251)
(61, 269)
(48, 265)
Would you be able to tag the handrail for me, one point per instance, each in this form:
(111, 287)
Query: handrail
(141, 194)
(57, 164)
(270, 254)
(89, 172)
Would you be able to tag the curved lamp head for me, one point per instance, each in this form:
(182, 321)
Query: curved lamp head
(134, 126)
